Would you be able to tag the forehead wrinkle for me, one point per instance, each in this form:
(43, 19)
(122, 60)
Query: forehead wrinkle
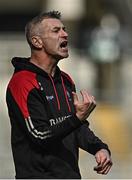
(52, 23)
(45, 26)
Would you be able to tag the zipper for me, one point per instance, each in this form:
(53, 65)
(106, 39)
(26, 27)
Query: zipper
(56, 94)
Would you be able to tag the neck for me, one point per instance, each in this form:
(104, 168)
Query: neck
(43, 61)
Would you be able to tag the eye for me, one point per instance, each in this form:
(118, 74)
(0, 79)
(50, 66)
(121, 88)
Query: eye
(64, 29)
(56, 30)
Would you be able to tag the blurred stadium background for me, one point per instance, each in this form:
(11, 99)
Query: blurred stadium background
(100, 43)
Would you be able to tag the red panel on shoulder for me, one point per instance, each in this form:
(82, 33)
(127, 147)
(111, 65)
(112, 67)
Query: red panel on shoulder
(20, 85)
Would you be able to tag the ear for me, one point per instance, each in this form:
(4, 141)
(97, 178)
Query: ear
(37, 42)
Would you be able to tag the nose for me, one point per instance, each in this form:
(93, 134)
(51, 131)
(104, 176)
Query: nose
(64, 34)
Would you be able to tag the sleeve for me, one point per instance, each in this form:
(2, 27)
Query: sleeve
(33, 116)
(88, 141)
(86, 138)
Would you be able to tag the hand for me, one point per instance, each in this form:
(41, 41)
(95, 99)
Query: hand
(84, 108)
(104, 162)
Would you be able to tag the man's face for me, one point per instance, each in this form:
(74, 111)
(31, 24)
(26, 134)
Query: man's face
(54, 38)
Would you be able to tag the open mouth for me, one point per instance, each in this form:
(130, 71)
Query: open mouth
(64, 44)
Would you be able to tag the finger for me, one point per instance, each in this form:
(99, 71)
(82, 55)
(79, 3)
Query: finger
(108, 169)
(103, 158)
(90, 98)
(105, 170)
(107, 162)
(85, 96)
(98, 159)
(105, 165)
(93, 99)
(98, 167)
(91, 107)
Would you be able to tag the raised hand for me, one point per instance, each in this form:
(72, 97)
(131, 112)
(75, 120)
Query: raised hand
(85, 107)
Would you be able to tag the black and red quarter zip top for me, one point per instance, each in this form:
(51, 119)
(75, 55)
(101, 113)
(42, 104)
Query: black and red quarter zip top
(45, 133)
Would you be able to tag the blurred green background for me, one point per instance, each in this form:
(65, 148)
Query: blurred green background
(100, 43)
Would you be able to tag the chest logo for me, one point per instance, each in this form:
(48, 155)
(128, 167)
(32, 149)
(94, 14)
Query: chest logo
(69, 96)
(58, 120)
(50, 98)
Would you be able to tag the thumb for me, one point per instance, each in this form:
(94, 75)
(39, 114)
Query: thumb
(98, 159)
(75, 97)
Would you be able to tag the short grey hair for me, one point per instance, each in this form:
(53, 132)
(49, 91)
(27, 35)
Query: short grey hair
(32, 26)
